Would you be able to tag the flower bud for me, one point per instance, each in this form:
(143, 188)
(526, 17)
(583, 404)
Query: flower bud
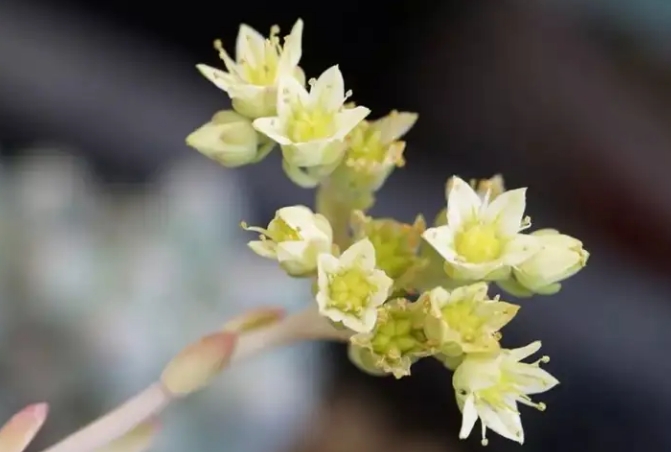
(559, 258)
(229, 139)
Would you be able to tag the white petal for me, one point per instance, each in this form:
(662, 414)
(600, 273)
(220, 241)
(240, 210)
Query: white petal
(250, 46)
(507, 211)
(222, 80)
(533, 380)
(518, 354)
(348, 119)
(263, 248)
(290, 95)
(367, 321)
(469, 417)
(294, 252)
(322, 223)
(442, 240)
(271, 128)
(329, 90)
(520, 248)
(384, 284)
(505, 422)
(395, 125)
(327, 264)
(463, 203)
(293, 49)
(296, 216)
(360, 255)
(298, 176)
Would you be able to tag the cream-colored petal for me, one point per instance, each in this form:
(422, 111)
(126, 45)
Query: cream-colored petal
(395, 125)
(290, 95)
(348, 118)
(505, 422)
(469, 417)
(222, 80)
(329, 90)
(360, 255)
(250, 46)
(368, 320)
(520, 248)
(271, 128)
(314, 153)
(384, 284)
(441, 239)
(463, 203)
(264, 248)
(296, 216)
(292, 251)
(531, 379)
(293, 49)
(520, 353)
(323, 224)
(507, 211)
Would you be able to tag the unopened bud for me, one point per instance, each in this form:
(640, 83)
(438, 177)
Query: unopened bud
(195, 366)
(229, 139)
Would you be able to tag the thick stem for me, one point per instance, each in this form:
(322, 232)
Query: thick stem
(304, 325)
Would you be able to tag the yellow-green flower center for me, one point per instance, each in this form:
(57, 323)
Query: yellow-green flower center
(395, 336)
(461, 317)
(350, 291)
(394, 256)
(264, 73)
(309, 125)
(365, 144)
(280, 231)
(478, 243)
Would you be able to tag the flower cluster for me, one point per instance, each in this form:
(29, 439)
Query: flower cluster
(400, 292)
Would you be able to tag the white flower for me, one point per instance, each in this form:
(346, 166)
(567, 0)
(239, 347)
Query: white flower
(465, 320)
(351, 288)
(295, 237)
(560, 257)
(229, 139)
(481, 239)
(489, 386)
(251, 80)
(311, 127)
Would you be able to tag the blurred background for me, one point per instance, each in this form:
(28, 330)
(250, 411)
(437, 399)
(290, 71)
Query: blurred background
(119, 244)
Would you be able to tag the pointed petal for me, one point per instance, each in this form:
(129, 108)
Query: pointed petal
(348, 119)
(395, 125)
(469, 416)
(250, 46)
(329, 90)
(290, 95)
(292, 50)
(507, 211)
(463, 203)
(442, 240)
(518, 354)
(271, 128)
(222, 80)
(361, 255)
(505, 422)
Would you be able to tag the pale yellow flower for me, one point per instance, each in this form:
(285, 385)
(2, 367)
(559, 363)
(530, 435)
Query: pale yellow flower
(489, 387)
(374, 149)
(560, 256)
(465, 320)
(294, 237)
(252, 78)
(351, 288)
(481, 240)
(396, 341)
(311, 127)
(230, 139)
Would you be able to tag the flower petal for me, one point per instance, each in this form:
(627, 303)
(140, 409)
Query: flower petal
(442, 240)
(272, 129)
(348, 119)
(290, 94)
(329, 90)
(250, 46)
(222, 80)
(395, 125)
(292, 50)
(507, 211)
(361, 255)
(463, 203)
(505, 422)
(469, 417)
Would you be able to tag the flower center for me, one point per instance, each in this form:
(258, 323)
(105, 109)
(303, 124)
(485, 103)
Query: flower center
(280, 231)
(309, 125)
(478, 243)
(395, 338)
(350, 291)
(460, 317)
(394, 256)
(264, 73)
(365, 144)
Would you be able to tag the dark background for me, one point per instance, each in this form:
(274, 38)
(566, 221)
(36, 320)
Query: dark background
(569, 100)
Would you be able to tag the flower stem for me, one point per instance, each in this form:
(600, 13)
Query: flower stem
(301, 326)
